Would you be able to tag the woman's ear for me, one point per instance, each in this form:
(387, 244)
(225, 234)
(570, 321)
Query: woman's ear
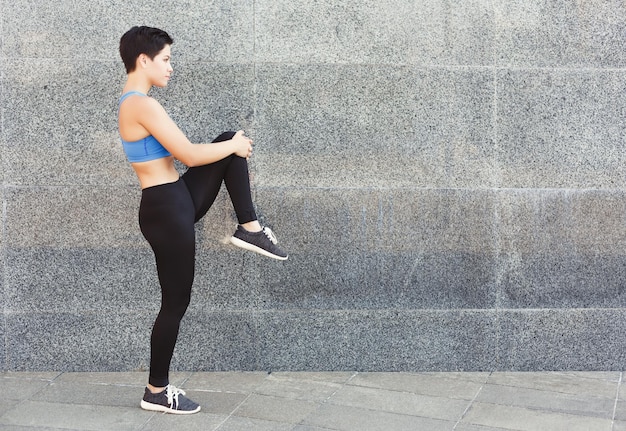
(142, 60)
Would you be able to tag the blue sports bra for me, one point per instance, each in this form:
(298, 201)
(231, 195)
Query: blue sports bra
(145, 149)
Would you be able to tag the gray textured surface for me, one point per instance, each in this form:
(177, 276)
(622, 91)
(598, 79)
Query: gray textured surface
(379, 126)
(447, 177)
(321, 401)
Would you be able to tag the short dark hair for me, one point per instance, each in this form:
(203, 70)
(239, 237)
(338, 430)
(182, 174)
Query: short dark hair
(142, 40)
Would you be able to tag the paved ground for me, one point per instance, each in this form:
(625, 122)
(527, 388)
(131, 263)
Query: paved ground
(233, 401)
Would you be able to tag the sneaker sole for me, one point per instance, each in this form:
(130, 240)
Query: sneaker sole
(159, 408)
(251, 247)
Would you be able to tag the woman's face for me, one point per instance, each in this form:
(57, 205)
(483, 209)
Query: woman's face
(160, 68)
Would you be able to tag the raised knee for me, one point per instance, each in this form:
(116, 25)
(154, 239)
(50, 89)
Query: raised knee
(225, 136)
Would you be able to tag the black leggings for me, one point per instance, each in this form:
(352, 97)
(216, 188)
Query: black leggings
(167, 215)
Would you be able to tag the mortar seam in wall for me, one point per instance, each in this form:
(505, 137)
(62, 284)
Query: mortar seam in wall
(4, 277)
(254, 316)
(422, 310)
(4, 201)
(513, 68)
(335, 310)
(498, 181)
(377, 188)
(252, 123)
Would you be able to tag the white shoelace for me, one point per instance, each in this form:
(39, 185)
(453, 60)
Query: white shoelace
(172, 393)
(270, 235)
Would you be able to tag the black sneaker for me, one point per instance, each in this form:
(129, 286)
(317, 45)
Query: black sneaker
(263, 242)
(171, 400)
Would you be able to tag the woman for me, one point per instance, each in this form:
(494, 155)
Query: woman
(171, 204)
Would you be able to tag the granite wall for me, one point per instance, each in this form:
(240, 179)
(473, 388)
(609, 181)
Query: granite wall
(447, 176)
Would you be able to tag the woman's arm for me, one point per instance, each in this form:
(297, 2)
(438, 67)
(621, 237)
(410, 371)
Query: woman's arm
(151, 115)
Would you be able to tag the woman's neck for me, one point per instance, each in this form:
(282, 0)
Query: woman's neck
(135, 82)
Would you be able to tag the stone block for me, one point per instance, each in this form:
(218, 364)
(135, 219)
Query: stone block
(226, 279)
(72, 341)
(562, 248)
(374, 126)
(60, 124)
(383, 340)
(561, 339)
(412, 249)
(352, 280)
(560, 128)
(72, 217)
(218, 31)
(206, 99)
(82, 146)
(559, 34)
(357, 32)
(561, 222)
(575, 280)
(81, 280)
(381, 220)
(217, 341)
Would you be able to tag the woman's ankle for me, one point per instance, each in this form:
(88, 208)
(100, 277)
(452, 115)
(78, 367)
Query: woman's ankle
(154, 389)
(252, 226)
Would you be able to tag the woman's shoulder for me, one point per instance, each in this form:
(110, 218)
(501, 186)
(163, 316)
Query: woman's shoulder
(140, 102)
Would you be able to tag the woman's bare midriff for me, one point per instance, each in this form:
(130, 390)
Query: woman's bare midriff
(156, 172)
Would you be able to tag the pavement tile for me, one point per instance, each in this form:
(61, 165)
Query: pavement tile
(48, 376)
(609, 376)
(619, 426)
(620, 410)
(569, 383)
(275, 409)
(472, 376)
(73, 416)
(123, 378)
(438, 385)
(201, 421)
(129, 379)
(226, 381)
(521, 419)
(320, 401)
(310, 428)
(344, 418)
(622, 389)
(220, 403)
(236, 423)
(93, 394)
(339, 377)
(21, 428)
(472, 427)
(583, 404)
(400, 402)
(8, 405)
(16, 389)
(297, 388)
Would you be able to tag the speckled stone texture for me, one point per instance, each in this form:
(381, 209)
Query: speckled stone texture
(448, 178)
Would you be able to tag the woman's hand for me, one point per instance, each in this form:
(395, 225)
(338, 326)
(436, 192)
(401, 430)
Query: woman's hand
(243, 145)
